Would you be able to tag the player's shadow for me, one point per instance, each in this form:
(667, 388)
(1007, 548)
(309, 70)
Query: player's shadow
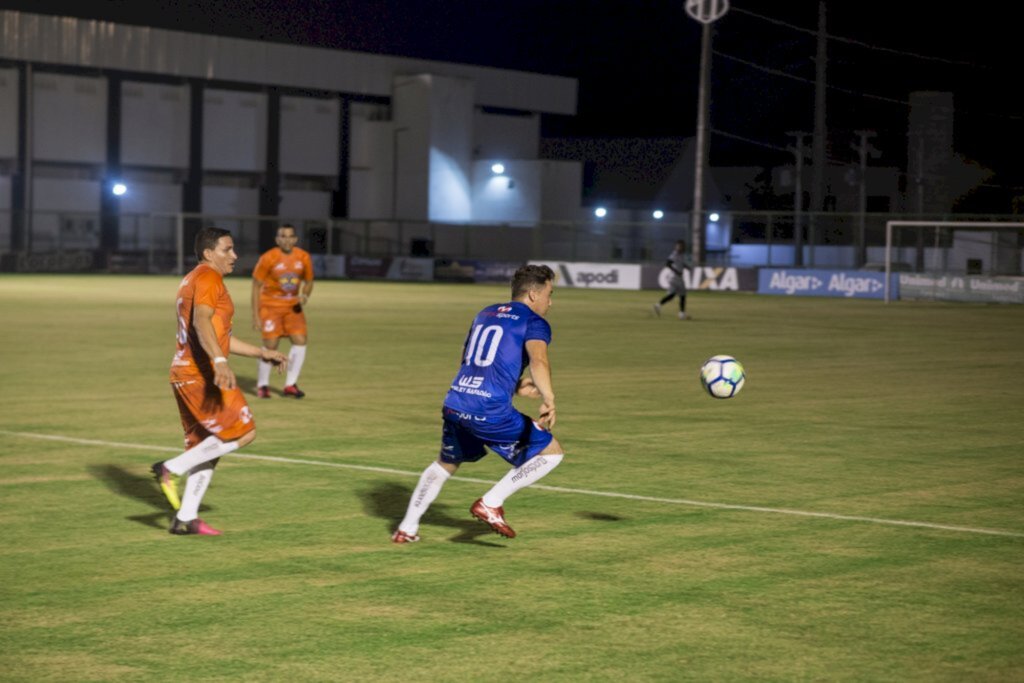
(246, 384)
(388, 501)
(599, 516)
(139, 487)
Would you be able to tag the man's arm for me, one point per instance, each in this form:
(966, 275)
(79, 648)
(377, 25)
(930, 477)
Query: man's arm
(241, 348)
(540, 372)
(257, 287)
(307, 289)
(202, 319)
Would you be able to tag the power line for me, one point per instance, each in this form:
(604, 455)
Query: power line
(860, 43)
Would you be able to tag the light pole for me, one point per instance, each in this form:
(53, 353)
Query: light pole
(706, 12)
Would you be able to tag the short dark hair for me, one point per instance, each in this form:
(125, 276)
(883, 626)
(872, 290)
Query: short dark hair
(207, 238)
(529, 277)
(289, 226)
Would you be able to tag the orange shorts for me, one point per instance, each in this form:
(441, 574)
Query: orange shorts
(280, 321)
(206, 409)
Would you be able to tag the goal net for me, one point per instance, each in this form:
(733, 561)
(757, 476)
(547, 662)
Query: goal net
(955, 260)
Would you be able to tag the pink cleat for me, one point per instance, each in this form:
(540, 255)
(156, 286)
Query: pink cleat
(196, 526)
(494, 517)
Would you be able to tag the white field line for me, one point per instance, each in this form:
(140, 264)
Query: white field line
(542, 487)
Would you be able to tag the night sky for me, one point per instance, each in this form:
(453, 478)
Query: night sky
(637, 62)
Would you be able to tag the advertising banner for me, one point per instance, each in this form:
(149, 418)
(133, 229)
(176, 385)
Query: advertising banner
(360, 267)
(709, 278)
(473, 270)
(328, 265)
(962, 288)
(857, 284)
(594, 275)
(410, 268)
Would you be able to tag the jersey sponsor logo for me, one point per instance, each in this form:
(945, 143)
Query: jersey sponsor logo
(473, 382)
(504, 309)
(280, 266)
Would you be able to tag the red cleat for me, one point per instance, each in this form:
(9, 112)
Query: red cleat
(493, 517)
(196, 526)
(401, 537)
(294, 391)
(263, 392)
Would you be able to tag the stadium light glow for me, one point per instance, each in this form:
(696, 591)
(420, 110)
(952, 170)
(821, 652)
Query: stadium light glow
(658, 214)
(600, 212)
(119, 189)
(497, 169)
(713, 217)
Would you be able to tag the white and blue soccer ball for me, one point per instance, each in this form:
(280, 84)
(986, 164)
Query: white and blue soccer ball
(722, 376)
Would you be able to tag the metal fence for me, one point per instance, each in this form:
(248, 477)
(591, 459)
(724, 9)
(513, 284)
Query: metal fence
(159, 243)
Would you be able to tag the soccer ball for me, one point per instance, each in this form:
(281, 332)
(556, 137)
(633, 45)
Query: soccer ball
(722, 376)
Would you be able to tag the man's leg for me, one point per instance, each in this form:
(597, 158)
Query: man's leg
(296, 357)
(263, 371)
(187, 520)
(489, 509)
(425, 493)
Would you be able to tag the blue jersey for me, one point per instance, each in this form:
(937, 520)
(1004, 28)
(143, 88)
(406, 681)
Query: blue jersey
(494, 357)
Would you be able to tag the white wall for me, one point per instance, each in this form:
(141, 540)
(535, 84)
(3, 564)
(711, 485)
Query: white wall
(411, 106)
(8, 114)
(371, 180)
(230, 201)
(155, 125)
(69, 116)
(137, 228)
(304, 204)
(309, 136)
(234, 131)
(66, 213)
(451, 149)
(514, 196)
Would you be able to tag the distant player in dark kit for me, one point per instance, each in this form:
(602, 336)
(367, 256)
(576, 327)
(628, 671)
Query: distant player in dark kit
(503, 341)
(677, 261)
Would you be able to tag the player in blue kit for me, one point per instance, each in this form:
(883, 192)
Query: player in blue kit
(503, 341)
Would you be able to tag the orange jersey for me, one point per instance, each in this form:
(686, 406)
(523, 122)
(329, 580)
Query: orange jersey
(282, 276)
(203, 285)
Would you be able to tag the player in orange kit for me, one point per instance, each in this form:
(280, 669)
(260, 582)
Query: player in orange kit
(214, 414)
(281, 284)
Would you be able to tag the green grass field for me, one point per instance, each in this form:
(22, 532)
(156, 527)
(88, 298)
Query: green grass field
(855, 514)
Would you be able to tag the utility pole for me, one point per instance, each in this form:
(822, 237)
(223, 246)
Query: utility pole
(798, 197)
(706, 12)
(864, 148)
(820, 127)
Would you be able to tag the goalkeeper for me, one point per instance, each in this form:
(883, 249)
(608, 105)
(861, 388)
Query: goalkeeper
(677, 261)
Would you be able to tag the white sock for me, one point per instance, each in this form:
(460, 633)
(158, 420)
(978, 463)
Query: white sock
(263, 374)
(295, 359)
(205, 451)
(521, 477)
(429, 485)
(195, 488)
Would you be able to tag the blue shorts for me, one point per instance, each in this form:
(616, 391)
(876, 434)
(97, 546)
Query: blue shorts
(513, 436)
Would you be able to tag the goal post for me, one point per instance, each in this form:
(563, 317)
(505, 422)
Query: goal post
(1000, 241)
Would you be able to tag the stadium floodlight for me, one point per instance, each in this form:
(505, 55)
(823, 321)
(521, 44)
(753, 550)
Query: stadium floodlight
(497, 169)
(658, 214)
(119, 188)
(713, 217)
(600, 212)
